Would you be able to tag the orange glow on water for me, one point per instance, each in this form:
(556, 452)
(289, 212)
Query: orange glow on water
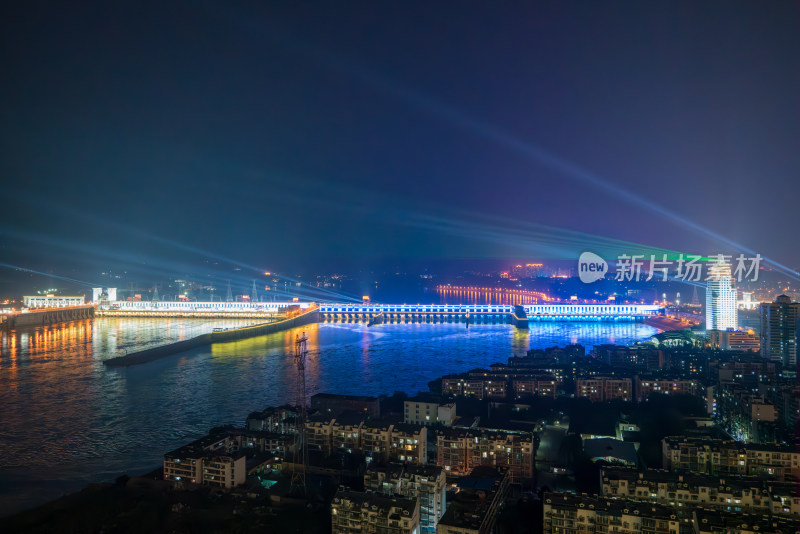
(490, 295)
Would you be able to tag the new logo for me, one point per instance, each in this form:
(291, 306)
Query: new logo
(591, 267)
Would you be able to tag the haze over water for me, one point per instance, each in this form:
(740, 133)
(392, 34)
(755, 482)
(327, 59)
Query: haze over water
(92, 423)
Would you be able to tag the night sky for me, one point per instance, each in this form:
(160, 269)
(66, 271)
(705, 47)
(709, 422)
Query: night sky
(299, 135)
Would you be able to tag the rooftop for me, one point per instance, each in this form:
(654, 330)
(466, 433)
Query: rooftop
(611, 506)
(382, 504)
(469, 506)
(349, 418)
(603, 448)
(425, 397)
(690, 479)
(727, 522)
(408, 428)
(396, 469)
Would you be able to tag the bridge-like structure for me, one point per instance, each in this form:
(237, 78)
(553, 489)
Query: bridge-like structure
(199, 310)
(483, 313)
(387, 313)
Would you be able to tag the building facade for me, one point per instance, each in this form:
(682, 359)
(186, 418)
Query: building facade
(420, 412)
(779, 323)
(601, 389)
(425, 483)
(721, 307)
(459, 451)
(734, 340)
(409, 443)
(710, 521)
(51, 301)
(355, 512)
(646, 386)
(587, 514)
(731, 494)
(730, 458)
(476, 504)
(216, 460)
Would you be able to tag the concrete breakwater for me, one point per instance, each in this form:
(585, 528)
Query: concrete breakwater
(48, 316)
(156, 353)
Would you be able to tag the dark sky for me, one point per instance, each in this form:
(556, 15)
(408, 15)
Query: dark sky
(299, 133)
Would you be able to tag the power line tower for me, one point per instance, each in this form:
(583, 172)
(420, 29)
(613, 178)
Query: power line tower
(229, 295)
(301, 451)
(695, 300)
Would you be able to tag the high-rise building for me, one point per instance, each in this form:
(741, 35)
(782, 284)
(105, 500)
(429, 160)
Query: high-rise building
(721, 311)
(779, 323)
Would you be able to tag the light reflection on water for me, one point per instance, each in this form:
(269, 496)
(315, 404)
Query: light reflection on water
(66, 419)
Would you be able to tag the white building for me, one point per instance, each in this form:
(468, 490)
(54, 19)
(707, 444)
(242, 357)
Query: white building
(721, 305)
(422, 411)
(51, 301)
(98, 294)
(446, 414)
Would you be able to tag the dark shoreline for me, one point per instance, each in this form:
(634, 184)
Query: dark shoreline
(664, 324)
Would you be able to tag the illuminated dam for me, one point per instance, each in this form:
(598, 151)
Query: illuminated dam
(484, 313)
(518, 315)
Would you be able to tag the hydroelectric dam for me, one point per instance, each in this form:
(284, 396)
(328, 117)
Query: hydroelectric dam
(375, 314)
(271, 317)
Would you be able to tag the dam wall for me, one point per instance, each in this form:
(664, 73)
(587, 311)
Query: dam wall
(48, 316)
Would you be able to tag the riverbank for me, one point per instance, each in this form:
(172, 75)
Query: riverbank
(156, 353)
(664, 324)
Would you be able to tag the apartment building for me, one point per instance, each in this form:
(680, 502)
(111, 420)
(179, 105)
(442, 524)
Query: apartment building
(317, 433)
(346, 431)
(727, 457)
(711, 521)
(745, 494)
(477, 502)
(270, 442)
(604, 388)
(538, 379)
(427, 411)
(632, 357)
(734, 339)
(544, 386)
(281, 419)
(376, 439)
(646, 386)
(426, 483)
(355, 512)
(459, 451)
(588, 514)
(408, 443)
(211, 461)
(461, 386)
